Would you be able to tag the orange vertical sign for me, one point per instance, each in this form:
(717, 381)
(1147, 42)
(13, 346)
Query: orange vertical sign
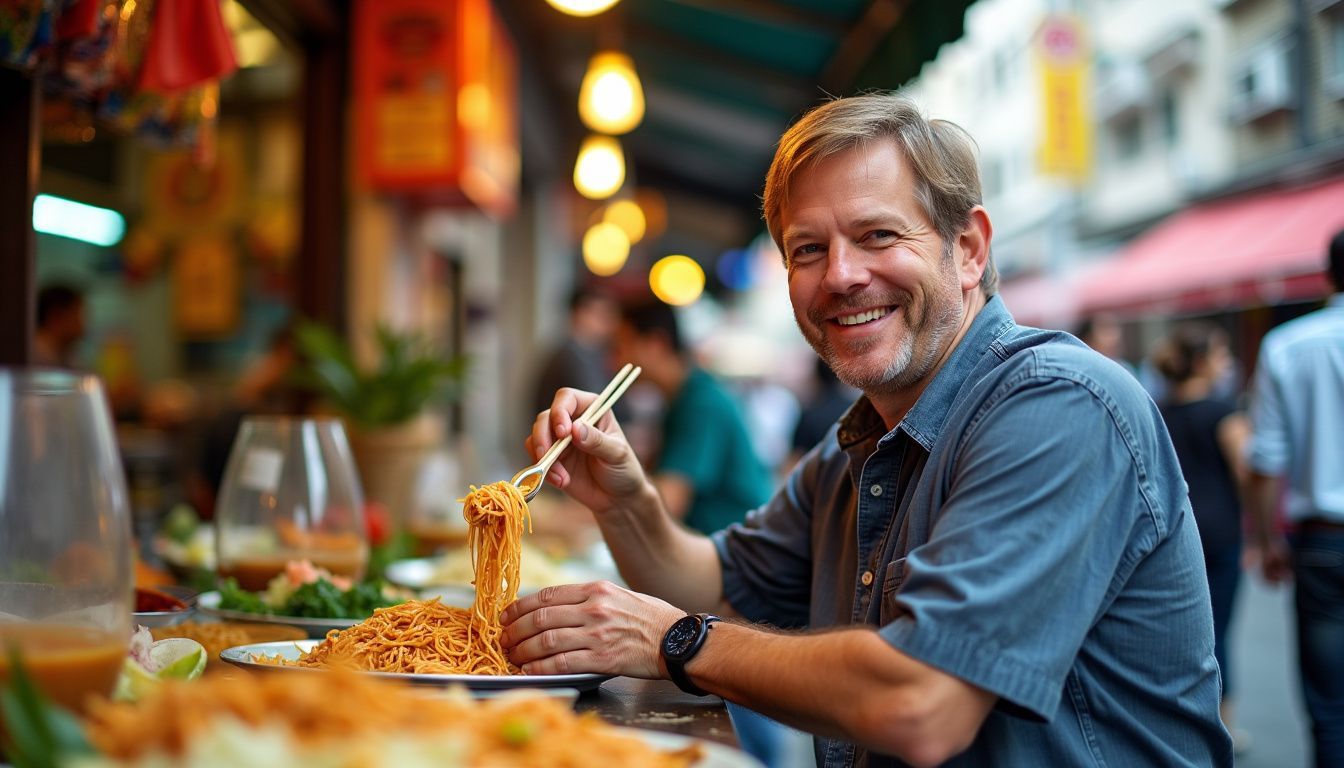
(435, 92)
(1066, 122)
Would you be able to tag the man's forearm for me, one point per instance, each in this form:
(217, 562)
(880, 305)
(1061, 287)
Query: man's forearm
(880, 698)
(660, 558)
(1261, 496)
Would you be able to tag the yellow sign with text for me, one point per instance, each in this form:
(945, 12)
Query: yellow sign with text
(1066, 121)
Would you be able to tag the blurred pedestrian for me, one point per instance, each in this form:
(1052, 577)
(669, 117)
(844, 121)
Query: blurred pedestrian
(1297, 454)
(580, 360)
(1104, 334)
(1210, 437)
(707, 471)
(829, 400)
(60, 325)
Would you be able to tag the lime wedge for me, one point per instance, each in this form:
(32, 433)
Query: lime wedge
(134, 682)
(178, 658)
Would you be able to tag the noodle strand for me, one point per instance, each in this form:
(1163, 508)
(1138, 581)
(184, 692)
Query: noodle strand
(427, 637)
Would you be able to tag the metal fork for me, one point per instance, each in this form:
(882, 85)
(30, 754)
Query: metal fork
(530, 479)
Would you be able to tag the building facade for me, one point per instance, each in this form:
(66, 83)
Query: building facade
(1191, 106)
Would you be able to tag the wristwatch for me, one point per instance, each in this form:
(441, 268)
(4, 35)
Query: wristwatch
(680, 644)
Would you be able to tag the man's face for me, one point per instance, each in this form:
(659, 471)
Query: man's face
(875, 290)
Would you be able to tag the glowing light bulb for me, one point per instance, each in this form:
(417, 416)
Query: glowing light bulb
(582, 7)
(677, 280)
(600, 168)
(611, 100)
(605, 248)
(627, 215)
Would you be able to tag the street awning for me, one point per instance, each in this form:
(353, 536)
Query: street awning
(1262, 248)
(1042, 300)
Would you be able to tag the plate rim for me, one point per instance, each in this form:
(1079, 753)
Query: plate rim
(582, 678)
(583, 574)
(738, 756)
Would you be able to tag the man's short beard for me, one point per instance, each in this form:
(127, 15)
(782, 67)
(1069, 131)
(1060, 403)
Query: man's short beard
(905, 369)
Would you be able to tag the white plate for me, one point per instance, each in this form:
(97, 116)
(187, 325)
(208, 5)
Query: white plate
(416, 573)
(208, 603)
(241, 656)
(715, 755)
(422, 573)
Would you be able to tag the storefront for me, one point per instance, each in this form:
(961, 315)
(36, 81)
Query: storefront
(210, 135)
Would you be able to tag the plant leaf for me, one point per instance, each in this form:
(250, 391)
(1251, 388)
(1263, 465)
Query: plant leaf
(410, 374)
(38, 734)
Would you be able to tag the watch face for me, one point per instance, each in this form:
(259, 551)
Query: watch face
(681, 636)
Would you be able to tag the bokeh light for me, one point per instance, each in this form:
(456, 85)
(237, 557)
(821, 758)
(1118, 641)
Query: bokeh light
(611, 100)
(605, 248)
(627, 215)
(600, 168)
(677, 280)
(582, 7)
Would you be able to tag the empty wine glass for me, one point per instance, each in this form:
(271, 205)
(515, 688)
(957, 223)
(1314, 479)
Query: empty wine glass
(66, 581)
(290, 492)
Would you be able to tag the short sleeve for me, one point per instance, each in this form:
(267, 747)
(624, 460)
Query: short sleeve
(1040, 528)
(1269, 446)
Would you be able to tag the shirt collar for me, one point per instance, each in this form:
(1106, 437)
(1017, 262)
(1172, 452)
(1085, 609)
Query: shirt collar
(924, 422)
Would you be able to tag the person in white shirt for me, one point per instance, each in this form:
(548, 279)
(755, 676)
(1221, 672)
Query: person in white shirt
(1297, 453)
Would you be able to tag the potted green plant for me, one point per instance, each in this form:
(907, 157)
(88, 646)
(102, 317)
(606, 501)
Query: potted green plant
(388, 407)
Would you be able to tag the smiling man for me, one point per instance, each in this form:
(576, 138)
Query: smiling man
(990, 560)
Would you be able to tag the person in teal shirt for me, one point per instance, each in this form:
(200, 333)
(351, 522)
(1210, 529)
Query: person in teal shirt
(707, 472)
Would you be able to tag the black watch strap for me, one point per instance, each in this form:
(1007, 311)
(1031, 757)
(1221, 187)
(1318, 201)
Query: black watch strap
(677, 673)
(676, 668)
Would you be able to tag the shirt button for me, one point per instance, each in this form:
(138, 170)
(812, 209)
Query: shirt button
(867, 577)
(876, 490)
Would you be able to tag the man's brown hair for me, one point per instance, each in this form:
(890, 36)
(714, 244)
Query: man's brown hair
(940, 153)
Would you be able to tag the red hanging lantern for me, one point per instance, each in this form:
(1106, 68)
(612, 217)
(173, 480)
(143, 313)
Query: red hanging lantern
(188, 45)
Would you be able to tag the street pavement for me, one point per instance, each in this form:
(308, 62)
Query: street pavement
(1264, 661)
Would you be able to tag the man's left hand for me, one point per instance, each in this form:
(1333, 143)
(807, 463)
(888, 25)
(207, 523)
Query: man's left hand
(597, 627)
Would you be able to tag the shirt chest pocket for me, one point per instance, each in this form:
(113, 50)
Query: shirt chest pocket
(892, 577)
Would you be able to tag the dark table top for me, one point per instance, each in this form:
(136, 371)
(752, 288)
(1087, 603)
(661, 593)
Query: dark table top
(660, 706)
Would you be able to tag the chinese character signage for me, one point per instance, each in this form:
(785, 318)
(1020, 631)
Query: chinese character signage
(436, 102)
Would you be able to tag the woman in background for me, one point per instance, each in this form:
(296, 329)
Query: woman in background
(1209, 434)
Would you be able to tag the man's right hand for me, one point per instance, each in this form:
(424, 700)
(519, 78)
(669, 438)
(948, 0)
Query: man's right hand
(600, 469)
(1276, 560)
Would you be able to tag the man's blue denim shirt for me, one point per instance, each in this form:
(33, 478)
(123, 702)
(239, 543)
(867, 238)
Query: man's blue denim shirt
(1026, 529)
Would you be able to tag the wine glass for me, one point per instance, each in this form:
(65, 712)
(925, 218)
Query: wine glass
(290, 492)
(66, 579)
(436, 521)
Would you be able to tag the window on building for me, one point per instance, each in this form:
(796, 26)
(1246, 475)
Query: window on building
(992, 177)
(1262, 82)
(1335, 77)
(1171, 119)
(1128, 137)
(999, 63)
(1245, 85)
